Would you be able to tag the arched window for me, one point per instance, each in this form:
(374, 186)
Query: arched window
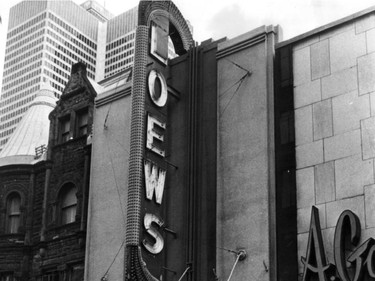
(13, 212)
(68, 203)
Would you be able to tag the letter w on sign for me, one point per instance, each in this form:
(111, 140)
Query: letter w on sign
(155, 180)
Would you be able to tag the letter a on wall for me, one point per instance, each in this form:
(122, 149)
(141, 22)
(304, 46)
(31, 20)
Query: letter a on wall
(315, 262)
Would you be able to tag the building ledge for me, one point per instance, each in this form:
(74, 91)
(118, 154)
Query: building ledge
(326, 27)
(17, 160)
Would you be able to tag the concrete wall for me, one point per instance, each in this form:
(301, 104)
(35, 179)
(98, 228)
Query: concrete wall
(108, 186)
(334, 98)
(245, 182)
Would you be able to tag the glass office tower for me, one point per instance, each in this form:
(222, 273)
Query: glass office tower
(46, 37)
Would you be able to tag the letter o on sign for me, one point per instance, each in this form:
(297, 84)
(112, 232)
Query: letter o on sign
(157, 88)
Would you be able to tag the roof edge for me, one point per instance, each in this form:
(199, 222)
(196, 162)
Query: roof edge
(326, 27)
(16, 160)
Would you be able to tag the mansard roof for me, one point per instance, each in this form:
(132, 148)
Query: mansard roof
(33, 130)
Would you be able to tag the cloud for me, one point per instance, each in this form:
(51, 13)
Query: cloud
(230, 22)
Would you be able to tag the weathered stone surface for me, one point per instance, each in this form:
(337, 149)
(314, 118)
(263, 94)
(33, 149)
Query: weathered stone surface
(365, 23)
(336, 31)
(303, 125)
(309, 154)
(304, 216)
(320, 61)
(345, 48)
(372, 103)
(352, 174)
(369, 205)
(305, 43)
(325, 182)
(368, 138)
(367, 233)
(307, 93)
(342, 145)
(370, 40)
(322, 119)
(348, 110)
(366, 73)
(339, 83)
(301, 66)
(305, 187)
(302, 240)
(335, 208)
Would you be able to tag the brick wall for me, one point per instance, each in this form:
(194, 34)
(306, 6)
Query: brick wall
(13, 251)
(38, 206)
(334, 101)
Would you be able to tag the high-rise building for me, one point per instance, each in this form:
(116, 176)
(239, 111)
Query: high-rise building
(119, 46)
(46, 37)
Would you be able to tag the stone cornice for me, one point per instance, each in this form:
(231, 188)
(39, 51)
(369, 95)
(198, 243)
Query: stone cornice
(244, 41)
(112, 96)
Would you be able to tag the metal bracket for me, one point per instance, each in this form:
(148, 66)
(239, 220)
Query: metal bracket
(241, 255)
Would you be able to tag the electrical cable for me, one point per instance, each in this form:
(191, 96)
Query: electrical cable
(117, 188)
(235, 263)
(183, 274)
(110, 105)
(104, 278)
(240, 83)
(106, 273)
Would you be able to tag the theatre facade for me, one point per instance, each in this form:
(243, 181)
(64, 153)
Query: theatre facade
(241, 159)
(249, 158)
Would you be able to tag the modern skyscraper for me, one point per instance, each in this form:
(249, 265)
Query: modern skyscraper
(46, 37)
(119, 47)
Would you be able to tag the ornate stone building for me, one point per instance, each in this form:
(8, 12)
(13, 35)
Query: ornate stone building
(44, 189)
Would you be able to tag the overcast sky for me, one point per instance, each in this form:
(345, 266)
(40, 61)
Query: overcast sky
(218, 18)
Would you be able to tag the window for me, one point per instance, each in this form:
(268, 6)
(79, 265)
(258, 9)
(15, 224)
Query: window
(13, 212)
(75, 273)
(8, 276)
(71, 273)
(82, 119)
(74, 125)
(51, 276)
(68, 203)
(65, 129)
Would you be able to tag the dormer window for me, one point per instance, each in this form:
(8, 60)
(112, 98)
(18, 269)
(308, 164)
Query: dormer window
(82, 120)
(65, 129)
(74, 125)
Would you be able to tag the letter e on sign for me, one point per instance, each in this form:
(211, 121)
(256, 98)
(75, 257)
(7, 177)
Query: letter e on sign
(152, 134)
(157, 88)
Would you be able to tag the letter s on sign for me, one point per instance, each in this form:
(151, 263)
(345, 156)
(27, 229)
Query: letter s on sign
(158, 246)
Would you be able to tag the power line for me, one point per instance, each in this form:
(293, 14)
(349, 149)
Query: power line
(104, 278)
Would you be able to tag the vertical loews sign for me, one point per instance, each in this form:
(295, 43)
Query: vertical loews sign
(155, 225)
(156, 187)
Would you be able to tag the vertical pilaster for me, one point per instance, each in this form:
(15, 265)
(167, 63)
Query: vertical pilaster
(137, 137)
